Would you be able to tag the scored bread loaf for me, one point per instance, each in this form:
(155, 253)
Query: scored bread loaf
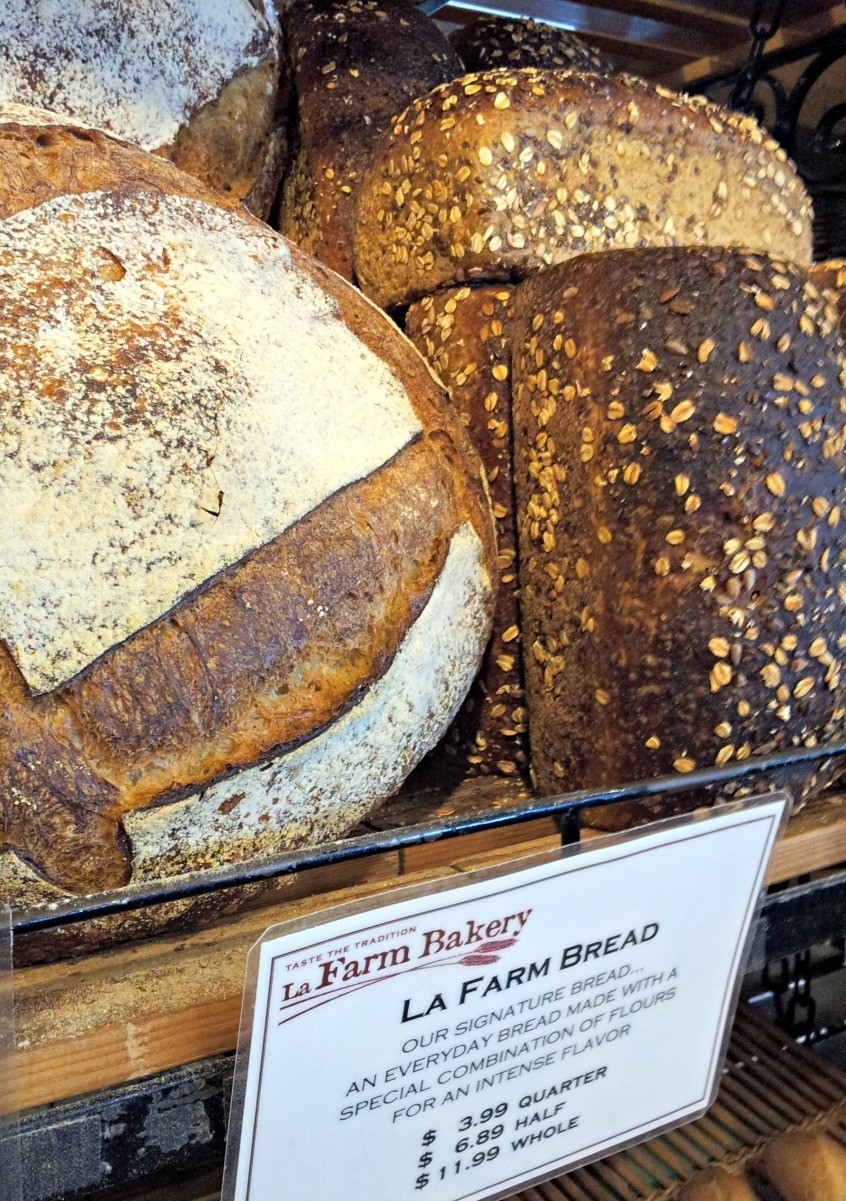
(497, 175)
(464, 333)
(355, 64)
(491, 42)
(716, 1184)
(679, 462)
(832, 275)
(249, 577)
(43, 155)
(198, 82)
(806, 1165)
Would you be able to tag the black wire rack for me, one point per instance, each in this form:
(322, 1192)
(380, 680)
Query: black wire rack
(565, 809)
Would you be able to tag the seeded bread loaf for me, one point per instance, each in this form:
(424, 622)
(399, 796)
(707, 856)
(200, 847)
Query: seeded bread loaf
(464, 333)
(249, 577)
(490, 42)
(355, 64)
(832, 275)
(806, 1165)
(198, 82)
(495, 176)
(679, 462)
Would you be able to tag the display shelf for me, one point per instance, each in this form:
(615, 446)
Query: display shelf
(177, 1122)
(122, 1014)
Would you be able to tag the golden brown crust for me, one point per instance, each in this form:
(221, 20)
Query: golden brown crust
(497, 175)
(680, 468)
(39, 161)
(491, 42)
(237, 143)
(355, 65)
(806, 1165)
(464, 333)
(716, 1184)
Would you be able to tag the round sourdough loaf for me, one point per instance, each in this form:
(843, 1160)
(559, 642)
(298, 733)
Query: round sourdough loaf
(465, 334)
(680, 466)
(246, 567)
(490, 42)
(497, 175)
(197, 81)
(355, 64)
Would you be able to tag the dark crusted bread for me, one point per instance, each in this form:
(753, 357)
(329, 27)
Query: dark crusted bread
(679, 461)
(355, 64)
(498, 175)
(490, 42)
(464, 333)
(237, 603)
(832, 275)
(198, 82)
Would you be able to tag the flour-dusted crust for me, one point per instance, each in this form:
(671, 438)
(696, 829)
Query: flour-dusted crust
(124, 486)
(355, 64)
(237, 489)
(490, 42)
(195, 80)
(680, 466)
(500, 174)
(465, 334)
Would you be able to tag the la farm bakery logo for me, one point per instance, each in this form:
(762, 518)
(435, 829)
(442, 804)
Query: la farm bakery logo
(366, 960)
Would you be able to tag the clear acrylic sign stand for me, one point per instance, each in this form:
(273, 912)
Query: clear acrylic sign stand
(471, 1037)
(10, 1161)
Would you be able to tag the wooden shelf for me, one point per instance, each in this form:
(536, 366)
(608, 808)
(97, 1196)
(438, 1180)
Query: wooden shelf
(127, 1013)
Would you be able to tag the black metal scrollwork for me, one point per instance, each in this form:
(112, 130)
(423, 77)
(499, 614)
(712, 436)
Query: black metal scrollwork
(816, 142)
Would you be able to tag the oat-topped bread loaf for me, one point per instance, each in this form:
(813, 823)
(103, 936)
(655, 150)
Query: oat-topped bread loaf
(495, 176)
(491, 42)
(679, 460)
(464, 333)
(355, 64)
(197, 81)
(246, 567)
(832, 275)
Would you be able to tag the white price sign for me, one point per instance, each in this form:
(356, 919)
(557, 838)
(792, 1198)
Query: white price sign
(471, 1038)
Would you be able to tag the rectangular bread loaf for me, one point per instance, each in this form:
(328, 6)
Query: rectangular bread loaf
(679, 468)
(464, 333)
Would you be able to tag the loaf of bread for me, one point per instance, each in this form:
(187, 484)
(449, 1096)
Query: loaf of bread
(44, 155)
(464, 333)
(497, 175)
(355, 64)
(832, 275)
(679, 464)
(198, 82)
(249, 577)
(490, 42)
(806, 1165)
(716, 1184)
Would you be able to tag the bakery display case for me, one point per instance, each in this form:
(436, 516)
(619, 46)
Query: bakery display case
(620, 448)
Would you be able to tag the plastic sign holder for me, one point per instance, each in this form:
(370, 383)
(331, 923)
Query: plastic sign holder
(465, 1039)
(10, 1163)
